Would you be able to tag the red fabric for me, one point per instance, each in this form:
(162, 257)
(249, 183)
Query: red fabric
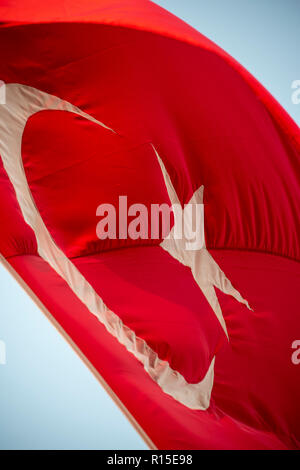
(157, 297)
(154, 79)
(256, 380)
(222, 137)
(81, 165)
(169, 424)
(16, 236)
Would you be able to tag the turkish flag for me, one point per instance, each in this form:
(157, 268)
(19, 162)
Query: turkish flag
(112, 99)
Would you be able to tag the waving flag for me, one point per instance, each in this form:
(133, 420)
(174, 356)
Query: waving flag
(113, 112)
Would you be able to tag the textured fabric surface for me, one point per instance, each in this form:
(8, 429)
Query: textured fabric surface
(155, 81)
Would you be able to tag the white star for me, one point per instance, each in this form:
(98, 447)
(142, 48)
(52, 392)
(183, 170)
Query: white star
(205, 270)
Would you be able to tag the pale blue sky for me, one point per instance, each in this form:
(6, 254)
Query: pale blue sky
(48, 398)
(263, 35)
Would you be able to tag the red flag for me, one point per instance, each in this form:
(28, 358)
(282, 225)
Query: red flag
(127, 106)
